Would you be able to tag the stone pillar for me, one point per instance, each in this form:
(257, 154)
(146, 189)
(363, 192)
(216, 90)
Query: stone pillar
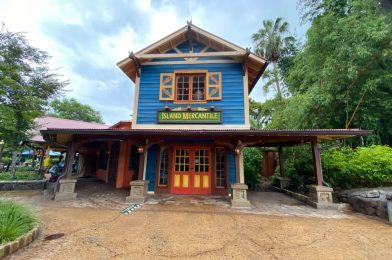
(284, 182)
(66, 190)
(138, 191)
(320, 194)
(239, 198)
(389, 206)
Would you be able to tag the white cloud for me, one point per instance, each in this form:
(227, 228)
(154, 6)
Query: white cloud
(109, 47)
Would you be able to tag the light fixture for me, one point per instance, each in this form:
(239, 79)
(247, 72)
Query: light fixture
(167, 108)
(212, 108)
(140, 149)
(237, 150)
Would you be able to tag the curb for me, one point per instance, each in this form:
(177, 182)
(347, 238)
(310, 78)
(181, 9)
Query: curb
(22, 241)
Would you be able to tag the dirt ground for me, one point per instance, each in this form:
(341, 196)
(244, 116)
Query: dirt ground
(160, 231)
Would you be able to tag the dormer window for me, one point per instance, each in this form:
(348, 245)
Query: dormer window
(190, 88)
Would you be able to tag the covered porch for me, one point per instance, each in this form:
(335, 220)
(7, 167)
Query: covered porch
(140, 149)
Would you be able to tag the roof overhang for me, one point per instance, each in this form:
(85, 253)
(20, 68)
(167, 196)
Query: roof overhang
(254, 63)
(255, 137)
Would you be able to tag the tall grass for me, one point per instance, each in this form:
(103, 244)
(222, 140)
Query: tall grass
(15, 220)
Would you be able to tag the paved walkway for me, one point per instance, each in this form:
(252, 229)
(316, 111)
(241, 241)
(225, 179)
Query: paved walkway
(95, 194)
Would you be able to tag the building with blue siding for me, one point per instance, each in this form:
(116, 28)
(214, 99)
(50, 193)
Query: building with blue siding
(191, 80)
(190, 122)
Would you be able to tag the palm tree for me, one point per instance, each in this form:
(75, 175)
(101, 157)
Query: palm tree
(271, 41)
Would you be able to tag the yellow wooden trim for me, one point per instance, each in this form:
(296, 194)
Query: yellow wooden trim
(206, 180)
(217, 86)
(163, 87)
(176, 180)
(189, 102)
(196, 182)
(185, 181)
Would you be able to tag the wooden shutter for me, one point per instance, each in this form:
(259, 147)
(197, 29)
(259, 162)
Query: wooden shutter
(214, 86)
(166, 87)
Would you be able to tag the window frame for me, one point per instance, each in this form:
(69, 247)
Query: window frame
(225, 168)
(190, 74)
(168, 165)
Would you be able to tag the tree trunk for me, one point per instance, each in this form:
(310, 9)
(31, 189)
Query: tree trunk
(1, 150)
(278, 91)
(13, 163)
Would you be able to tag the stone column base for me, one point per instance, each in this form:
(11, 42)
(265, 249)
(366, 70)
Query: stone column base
(389, 207)
(320, 194)
(284, 182)
(138, 192)
(66, 190)
(239, 196)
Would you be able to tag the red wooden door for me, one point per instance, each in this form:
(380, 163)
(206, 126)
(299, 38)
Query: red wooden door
(191, 170)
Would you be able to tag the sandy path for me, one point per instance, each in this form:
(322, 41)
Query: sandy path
(167, 231)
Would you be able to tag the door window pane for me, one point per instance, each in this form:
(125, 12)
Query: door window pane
(220, 167)
(163, 166)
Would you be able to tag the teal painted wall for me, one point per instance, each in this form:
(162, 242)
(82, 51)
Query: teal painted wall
(151, 166)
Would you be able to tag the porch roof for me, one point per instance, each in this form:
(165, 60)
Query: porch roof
(254, 137)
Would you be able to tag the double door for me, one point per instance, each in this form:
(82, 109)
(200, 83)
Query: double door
(191, 173)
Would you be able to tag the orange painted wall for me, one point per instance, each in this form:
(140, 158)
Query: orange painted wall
(123, 173)
(122, 159)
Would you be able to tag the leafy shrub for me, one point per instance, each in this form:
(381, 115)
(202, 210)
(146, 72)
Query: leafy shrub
(15, 220)
(22, 173)
(361, 167)
(252, 166)
(298, 166)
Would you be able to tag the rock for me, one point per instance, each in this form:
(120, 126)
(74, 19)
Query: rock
(382, 213)
(370, 194)
(382, 204)
(389, 196)
(343, 196)
(370, 211)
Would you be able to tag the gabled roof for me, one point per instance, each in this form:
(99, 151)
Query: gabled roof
(215, 47)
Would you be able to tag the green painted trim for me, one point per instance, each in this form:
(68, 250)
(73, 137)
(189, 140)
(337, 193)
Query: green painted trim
(190, 117)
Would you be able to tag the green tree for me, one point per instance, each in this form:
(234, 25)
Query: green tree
(341, 78)
(72, 109)
(26, 83)
(272, 41)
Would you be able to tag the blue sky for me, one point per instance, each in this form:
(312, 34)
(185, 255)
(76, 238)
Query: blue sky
(87, 38)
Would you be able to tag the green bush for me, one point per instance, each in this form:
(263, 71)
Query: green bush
(298, 166)
(15, 220)
(362, 167)
(252, 166)
(22, 173)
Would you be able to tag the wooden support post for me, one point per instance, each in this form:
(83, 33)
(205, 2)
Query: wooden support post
(70, 160)
(281, 161)
(140, 172)
(41, 164)
(317, 163)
